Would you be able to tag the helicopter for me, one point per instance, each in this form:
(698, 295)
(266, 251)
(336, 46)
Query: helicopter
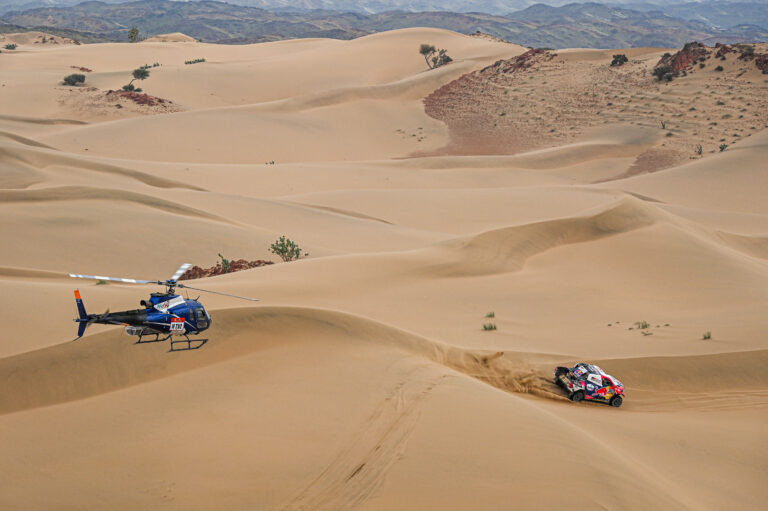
(163, 316)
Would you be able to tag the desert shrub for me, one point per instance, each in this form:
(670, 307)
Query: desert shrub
(706, 336)
(194, 61)
(723, 147)
(224, 263)
(642, 325)
(663, 73)
(138, 74)
(11, 46)
(74, 79)
(134, 35)
(619, 60)
(719, 68)
(426, 51)
(147, 66)
(699, 149)
(490, 315)
(702, 65)
(441, 59)
(287, 249)
(434, 57)
(489, 326)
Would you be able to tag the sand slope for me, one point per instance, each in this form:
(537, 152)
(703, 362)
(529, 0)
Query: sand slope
(364, 379)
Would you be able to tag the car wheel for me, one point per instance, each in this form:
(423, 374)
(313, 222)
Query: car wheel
(616, 401)
(577, 396)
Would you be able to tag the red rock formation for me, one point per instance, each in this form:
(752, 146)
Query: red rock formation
(722, 49)
(197, 272)
(683, 59)
(761, 61)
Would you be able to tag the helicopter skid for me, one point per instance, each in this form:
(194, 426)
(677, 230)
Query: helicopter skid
(191, 344)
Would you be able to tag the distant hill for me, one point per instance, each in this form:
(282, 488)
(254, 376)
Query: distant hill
(76, 35)
(716, 13)
(587, 25)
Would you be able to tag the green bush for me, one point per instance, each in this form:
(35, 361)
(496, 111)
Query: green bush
(11, 46)
(434, 57)
(663, 73)
(224, 263)
(141, 73)
(194, 61)
(489, 326)
(723, 147)
(287, 249)
(74, 79)
(426, 51)
(719, 68)
(619, 60)
(706, 336)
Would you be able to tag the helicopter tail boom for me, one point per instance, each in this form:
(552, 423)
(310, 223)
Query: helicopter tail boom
(83, 319)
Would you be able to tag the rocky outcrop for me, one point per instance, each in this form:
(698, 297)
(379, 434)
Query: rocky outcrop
(519, 63)
(683, 59)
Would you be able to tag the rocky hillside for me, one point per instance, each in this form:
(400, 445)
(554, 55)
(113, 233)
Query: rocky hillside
(706, 100)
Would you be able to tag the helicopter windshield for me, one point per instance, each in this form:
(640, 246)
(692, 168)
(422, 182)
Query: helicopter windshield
(202, 318)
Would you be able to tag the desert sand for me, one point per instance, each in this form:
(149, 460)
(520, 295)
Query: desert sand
(363, 379)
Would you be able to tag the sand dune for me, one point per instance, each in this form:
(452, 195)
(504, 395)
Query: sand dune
(364, 379)
(176, 37)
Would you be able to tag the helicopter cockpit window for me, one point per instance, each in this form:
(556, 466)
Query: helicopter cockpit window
(202, 320)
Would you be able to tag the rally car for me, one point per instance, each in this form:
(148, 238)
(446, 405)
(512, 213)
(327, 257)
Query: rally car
(588, 381)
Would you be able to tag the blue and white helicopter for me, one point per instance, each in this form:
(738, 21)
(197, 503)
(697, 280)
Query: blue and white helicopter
(162, 316)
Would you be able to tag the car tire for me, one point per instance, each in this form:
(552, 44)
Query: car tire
(616, 401)
(577, 396)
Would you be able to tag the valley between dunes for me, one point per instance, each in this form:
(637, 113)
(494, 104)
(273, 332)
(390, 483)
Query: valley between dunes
(364, 379)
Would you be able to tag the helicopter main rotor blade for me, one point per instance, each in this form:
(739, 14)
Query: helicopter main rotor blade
(181, 271)
(217, 292)
(113, 279)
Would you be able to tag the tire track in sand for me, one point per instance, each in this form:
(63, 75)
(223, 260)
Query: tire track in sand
(359, 468)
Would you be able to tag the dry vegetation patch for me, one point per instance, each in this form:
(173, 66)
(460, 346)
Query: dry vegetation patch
(95, 103)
